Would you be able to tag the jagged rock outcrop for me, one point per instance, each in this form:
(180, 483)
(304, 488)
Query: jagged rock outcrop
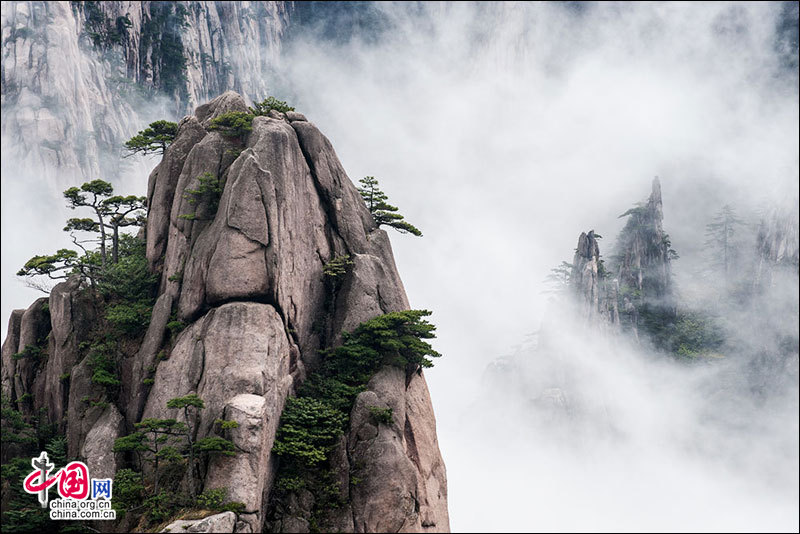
(643, 249)
(79, 77)
(642, 261)
(287, 208)
(245, 275)
(777, 245)
(223, 522)
(597, 294)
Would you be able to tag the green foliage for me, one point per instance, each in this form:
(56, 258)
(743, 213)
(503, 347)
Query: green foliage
(311, 423)
(290, 483)
(103, 31)
(382, 212)
(235, 152)
(268, 104)
(191, 400)
(154, 441)
(381, 415)
(112, 213)
(161, 35)
(129, 287)
(337, 267)
(154, 139)
(309, 429)
(207, 194)
(215, 500)
(602, 272)
(129, 491)
(54, 266)
(559, 277)
(129, 319)
(225, 424)
(130, 443)
(77, 196)
(30, 519)
(130, 278)
(22, 439)
(666, 243)
(148, 381)
(722, 242)
(684, 334)
(14, 427)
(31, 352)
(57, 450)
(169, 445)
(163, 505)
(103, 366)
(215, 445)
(637, 211)
(696, 335)
(235, 124)
(396, 338)
(212, 499)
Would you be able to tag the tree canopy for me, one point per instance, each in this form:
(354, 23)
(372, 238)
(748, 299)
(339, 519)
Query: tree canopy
(110, 214)
(152, 140)
(268, 104)
(235, 124)
(721, 241)
(382, 212)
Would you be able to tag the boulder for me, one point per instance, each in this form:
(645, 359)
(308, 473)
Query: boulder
(97, 447)
(237, 358)
(223, 522)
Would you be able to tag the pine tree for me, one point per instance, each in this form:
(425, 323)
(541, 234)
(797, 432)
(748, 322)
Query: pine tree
(559, 278)
(383, 212)
(152, 140)
(721, 240)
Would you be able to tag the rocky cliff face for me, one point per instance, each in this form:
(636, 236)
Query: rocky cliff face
(81, 77)
(597, 294)
(777, 245)
(641, 262)
(247, 278)
(643, 257)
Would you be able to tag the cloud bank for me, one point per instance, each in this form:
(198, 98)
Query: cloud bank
(503, 131)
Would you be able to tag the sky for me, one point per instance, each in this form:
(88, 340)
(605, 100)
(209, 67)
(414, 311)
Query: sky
(503, 131)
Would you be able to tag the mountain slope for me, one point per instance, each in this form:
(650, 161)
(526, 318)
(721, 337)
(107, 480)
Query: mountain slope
(243, 277)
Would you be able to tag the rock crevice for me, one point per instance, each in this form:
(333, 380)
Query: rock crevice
(245, 273)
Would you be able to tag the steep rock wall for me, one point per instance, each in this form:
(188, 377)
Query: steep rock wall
(78, 78)
(597, 293)
(247, 279)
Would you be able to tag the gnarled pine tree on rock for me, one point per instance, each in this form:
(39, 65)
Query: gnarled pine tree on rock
(253, 283)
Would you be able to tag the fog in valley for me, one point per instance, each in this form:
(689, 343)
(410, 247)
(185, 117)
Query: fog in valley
(504, 131)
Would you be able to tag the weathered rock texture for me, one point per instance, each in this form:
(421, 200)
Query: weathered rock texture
(643, 249)
(597, 294)
(642, 261)
(80, 77)
(777, 245)
(223, 522)
(246, 276)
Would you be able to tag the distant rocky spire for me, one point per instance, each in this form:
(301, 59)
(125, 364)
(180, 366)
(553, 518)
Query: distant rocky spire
(597, 295)
(777, 244)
